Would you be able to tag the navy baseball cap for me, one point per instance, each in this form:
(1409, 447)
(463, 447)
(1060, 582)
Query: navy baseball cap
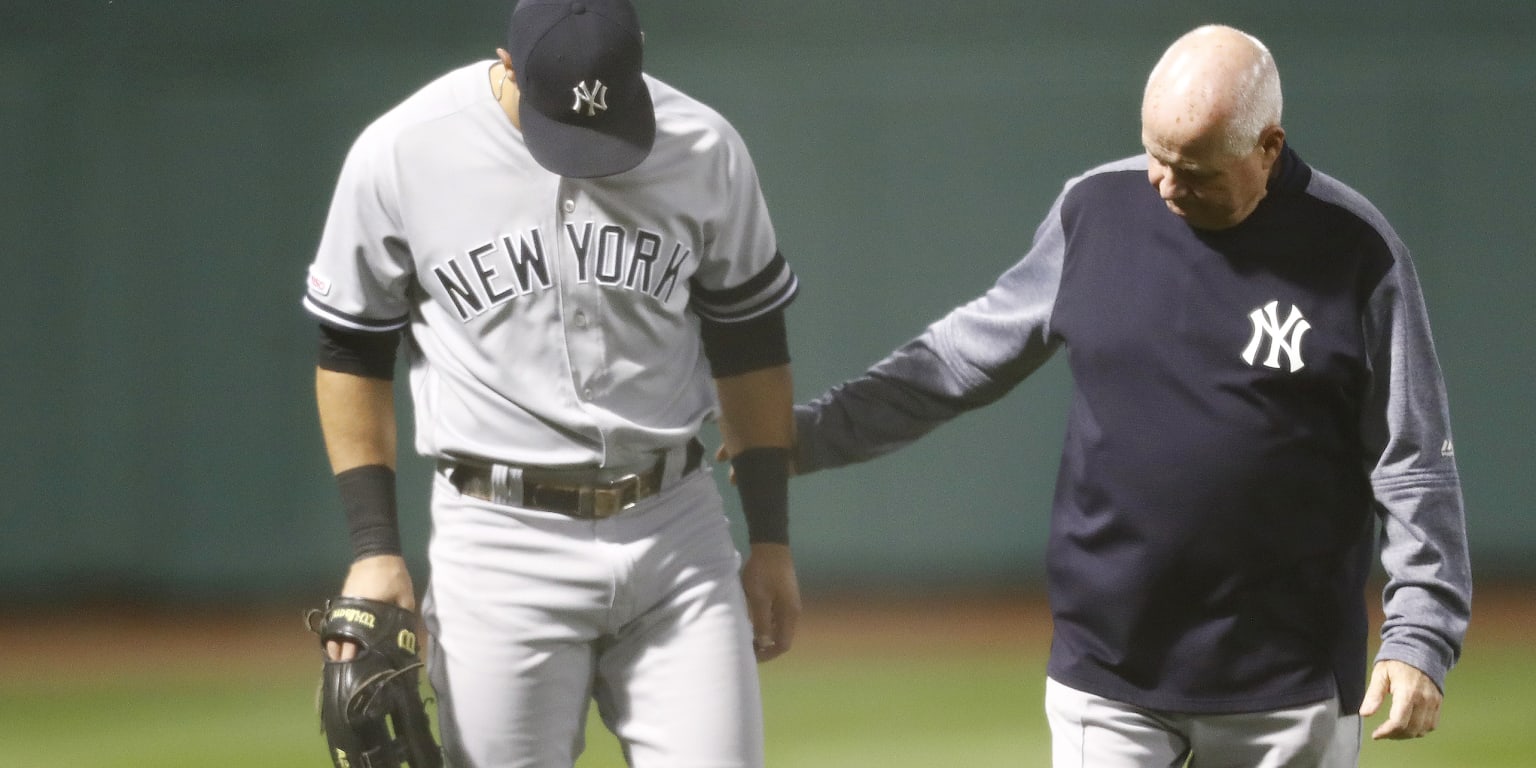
(583, 104)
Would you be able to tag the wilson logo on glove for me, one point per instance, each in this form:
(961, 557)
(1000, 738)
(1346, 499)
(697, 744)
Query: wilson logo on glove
(371, 708)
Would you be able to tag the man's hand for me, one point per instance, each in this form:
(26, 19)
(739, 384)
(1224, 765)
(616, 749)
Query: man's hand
(1415, 701)
(773, 599)
(381, 577)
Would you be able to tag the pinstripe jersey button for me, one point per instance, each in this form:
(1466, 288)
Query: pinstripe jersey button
(568, 206)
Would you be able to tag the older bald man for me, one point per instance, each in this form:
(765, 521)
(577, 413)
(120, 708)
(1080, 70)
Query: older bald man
(1256, 402)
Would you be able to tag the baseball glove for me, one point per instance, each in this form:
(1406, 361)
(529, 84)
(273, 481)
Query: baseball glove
(371, 708)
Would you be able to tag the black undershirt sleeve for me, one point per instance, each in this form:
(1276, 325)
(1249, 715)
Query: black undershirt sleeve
(750, 345)
(361, 353)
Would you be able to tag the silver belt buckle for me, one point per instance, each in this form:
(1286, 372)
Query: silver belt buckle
(600, 502)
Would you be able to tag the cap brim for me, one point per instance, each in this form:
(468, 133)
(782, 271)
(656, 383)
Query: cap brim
(610, 146)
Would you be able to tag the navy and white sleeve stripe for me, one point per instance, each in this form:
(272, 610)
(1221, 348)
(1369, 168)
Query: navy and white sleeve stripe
(341, 319)
(771, 289)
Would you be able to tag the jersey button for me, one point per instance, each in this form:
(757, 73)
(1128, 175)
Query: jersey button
(586, 394)
(568, 206)
(581, 319)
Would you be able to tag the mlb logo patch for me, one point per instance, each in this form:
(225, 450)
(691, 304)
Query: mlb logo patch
(319, 285)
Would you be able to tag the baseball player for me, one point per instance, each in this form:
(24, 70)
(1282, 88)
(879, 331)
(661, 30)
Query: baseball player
(571, 250)
(1256, 398)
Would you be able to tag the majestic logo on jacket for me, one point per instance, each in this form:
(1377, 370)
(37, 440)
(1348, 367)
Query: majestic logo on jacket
(1284, 338)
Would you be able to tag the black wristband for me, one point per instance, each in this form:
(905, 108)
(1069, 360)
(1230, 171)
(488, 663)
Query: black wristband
(368, 497)
(762, 480)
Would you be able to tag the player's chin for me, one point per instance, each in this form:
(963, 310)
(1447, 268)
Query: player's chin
(1199, 219)
(1177, 208)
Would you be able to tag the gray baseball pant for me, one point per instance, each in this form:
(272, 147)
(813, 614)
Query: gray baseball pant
(1089, 731)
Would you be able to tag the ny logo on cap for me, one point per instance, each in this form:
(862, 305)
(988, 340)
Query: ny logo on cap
(589, 101)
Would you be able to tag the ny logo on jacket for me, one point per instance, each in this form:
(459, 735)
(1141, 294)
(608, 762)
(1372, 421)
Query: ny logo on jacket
(1283, 337)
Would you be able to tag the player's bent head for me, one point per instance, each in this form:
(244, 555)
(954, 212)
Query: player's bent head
(583, 103)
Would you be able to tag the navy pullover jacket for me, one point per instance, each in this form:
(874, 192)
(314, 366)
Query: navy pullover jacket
(1251, 407)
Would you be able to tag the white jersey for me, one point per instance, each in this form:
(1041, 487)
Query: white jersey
(551, 321)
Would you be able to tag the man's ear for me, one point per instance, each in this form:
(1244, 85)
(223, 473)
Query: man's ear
(1271, 141)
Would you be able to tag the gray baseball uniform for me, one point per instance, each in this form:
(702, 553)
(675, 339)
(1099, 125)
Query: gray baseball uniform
(552, 319)
(553, 322)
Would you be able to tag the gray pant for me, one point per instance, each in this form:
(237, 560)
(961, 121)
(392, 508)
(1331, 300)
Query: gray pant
(534, 615)
(1089, 731)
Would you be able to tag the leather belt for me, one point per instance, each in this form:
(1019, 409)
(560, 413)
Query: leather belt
(580, 493)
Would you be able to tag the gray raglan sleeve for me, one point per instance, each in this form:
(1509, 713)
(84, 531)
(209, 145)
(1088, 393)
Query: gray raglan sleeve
(1428, 594)
(969, 358)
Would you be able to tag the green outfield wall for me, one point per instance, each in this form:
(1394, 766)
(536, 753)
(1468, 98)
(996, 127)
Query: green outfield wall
(165, 166)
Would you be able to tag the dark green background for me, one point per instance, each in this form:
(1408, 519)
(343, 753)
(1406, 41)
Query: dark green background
(166, 165)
